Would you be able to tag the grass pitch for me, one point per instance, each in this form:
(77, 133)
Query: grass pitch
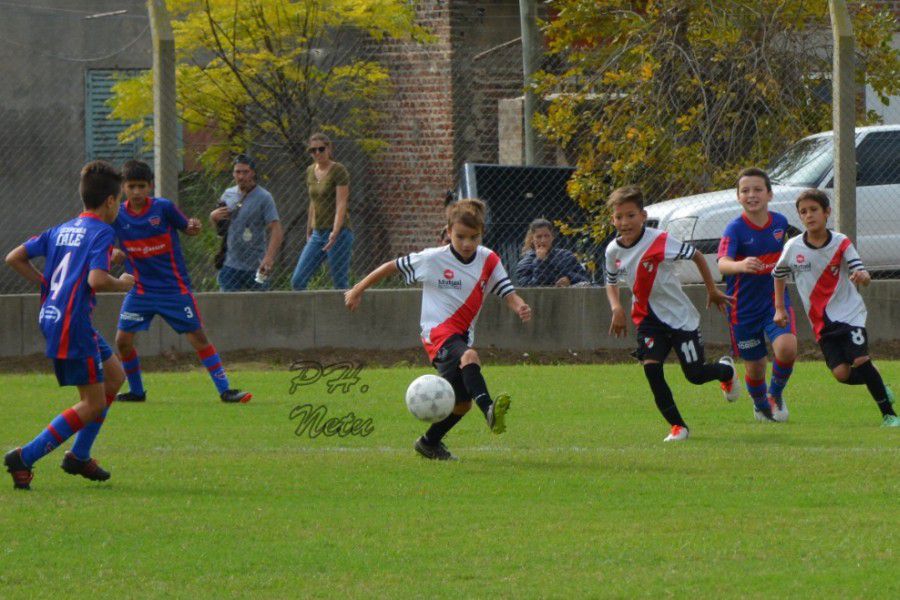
(579, 499)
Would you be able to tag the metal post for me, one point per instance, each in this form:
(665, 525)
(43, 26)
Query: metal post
(843, 120)
(165, 124)
(530, 57)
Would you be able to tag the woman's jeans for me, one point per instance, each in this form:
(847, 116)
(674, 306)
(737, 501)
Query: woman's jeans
(312, 257)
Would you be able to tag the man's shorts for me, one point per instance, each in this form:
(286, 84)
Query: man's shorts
(446, 361)
(83, 371)
(748, 340)
(655, 342)
(842, 344)
(179, 311)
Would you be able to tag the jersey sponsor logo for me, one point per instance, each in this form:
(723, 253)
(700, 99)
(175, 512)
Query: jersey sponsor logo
(50, 313)
(455, 284)
(154, 220)
(618, 262)
(802, 267)
(152, 246)
(779, 234)
(130, 316)
(747, 344)
(448, 273)
(70, 236)
(801, 259)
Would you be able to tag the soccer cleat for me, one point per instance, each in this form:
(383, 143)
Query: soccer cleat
(677, 434)
(764, 414)
(731, 388)
(433, 451)
(21, 473)
(496, 414)
(131, 397)
(779, 409)
(232, 396)
(89, 469)
(890, 421)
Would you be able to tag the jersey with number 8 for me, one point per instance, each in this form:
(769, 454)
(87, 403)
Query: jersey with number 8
(72, 250)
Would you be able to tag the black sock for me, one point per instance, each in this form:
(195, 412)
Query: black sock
(855, 378)
(476, 386)
(700, 374)
(662, 394)
(438, 430)
(876, 386)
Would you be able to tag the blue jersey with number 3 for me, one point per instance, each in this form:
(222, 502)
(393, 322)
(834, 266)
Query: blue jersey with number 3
(72, 250)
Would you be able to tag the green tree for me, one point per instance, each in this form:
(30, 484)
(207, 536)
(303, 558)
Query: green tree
(677, 95)
(264, 74)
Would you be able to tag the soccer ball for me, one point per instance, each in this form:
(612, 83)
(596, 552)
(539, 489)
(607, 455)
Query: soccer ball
(430, 398)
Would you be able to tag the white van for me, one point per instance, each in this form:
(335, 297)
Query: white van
(809, 163)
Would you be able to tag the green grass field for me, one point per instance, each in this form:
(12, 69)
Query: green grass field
(579, 499)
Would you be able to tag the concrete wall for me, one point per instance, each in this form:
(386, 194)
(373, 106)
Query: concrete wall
(565, 319)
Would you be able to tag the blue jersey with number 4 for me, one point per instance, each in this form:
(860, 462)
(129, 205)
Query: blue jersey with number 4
(72, 250)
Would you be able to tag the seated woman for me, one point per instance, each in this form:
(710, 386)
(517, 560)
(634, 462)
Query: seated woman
(544, 265)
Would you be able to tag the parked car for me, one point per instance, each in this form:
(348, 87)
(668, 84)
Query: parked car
(809, 163)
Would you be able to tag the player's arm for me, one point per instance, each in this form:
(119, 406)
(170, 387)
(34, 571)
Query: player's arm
(518, 306)
(101, 281)
(20, 263)
(729, 266)
(713, 294)
(353, 296)
(858, 273)
(617, 323)
(193, 227)
(781, 316)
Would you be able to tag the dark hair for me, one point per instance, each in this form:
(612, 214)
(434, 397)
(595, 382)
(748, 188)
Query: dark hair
(99, 181)
(136, 170)
(443, 236)
(244, 159)
(469, 212)
(753, 172)
(814, 195)
(624, 195)
(539, 223)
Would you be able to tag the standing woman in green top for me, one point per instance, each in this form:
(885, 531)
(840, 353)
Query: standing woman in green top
(328, 233)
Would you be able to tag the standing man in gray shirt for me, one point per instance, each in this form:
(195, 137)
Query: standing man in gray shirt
(252, 213)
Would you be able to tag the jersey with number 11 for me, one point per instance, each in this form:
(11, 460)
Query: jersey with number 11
(72, 250)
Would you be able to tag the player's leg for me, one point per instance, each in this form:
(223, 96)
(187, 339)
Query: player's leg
(653, 347)
(750, 341)
(135, 316)
(847, 355)
(78, 461)
(310, 260)
(692, 357)
(784, 346)
(210, 359)
(494, 409)
(339, 259)
(447, 363)
(87, 375)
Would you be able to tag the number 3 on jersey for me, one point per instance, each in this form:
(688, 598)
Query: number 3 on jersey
(59, 276)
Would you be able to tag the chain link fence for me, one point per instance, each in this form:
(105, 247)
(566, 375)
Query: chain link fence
(432, 108)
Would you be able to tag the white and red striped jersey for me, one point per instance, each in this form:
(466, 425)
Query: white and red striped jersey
(648, 268)
(823, 281)
(453, 290)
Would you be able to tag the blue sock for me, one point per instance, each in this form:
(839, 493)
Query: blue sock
(210, 359)
(757, 390)
(781, 372)
(58, 431)
(85, 438)
(132, 366)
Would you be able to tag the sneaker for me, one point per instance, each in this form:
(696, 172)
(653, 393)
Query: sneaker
(21, 473)
(89, 469)
(232, 396)
(889, 421)
(764, 414)
(677, 434)
(433, 451)
(779, 409)
(496, 414)
(131, 397)
(731, 388)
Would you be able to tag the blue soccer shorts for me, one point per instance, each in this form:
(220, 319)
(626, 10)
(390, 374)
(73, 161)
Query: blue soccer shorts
(179, 311)
(83, 371)
(748, 340)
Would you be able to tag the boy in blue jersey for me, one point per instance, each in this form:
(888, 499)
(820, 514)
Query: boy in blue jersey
(77, 256)
(147, 229)
(748, 251)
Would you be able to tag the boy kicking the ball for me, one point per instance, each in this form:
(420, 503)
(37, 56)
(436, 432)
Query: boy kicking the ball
(455, 279)
(643, 258)
(826, 266)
